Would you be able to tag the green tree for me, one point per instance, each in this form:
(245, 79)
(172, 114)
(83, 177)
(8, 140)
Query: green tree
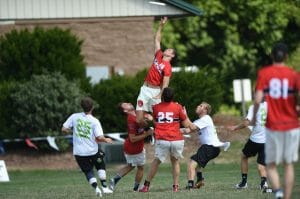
(24, 53)
(234, 37)
(40, 106)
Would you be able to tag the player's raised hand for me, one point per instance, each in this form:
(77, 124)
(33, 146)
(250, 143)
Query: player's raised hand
(163, 20)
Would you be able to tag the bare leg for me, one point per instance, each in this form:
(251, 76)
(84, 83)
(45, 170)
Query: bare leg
(175, 170)
(192, 165)
(154, 167)
(273, 175)
(244, 164)
(289, 180)
(139, 174)
(261, 170)
(125, 170)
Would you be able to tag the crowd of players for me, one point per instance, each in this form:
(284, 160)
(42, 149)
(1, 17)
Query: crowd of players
(274, 137)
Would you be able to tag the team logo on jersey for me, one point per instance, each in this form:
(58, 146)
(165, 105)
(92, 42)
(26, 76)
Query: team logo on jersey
(140, 103)
(158, 66)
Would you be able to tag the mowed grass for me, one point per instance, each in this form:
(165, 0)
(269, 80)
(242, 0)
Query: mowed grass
(219, 178)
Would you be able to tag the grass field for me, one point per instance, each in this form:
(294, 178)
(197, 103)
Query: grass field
(219, 178)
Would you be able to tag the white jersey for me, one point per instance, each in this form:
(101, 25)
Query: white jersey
(258, 134)
(85, 129)
(207, 132)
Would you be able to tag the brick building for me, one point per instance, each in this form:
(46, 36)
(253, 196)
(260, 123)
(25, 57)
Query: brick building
(117, 34)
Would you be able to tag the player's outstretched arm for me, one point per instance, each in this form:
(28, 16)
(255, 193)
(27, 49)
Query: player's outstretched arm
(135, 138)
(158, 33)
(242, 125)
(165, 84)
(103, 139)
(66, 130)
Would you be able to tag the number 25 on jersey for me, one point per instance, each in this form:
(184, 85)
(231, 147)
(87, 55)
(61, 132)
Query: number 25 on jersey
(163, 117)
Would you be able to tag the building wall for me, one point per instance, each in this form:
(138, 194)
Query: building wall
(124, 43)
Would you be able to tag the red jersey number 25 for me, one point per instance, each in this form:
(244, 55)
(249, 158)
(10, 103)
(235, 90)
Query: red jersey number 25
(163, 117)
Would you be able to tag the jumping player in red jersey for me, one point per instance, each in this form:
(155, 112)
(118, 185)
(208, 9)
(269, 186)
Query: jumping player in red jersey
(157, 79)
(278, 84)
(169, 140)
(133, 147)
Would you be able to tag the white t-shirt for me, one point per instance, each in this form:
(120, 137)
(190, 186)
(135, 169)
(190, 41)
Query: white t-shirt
(207, 133)
(85, 129)
(258, 134)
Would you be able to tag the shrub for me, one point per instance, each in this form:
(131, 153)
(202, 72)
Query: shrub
(24, 53)
(41, 105)
(7, 130)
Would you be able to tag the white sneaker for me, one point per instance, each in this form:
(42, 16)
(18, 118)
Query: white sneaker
(106, 190)
(226, 146)
(98, 192)
(112, 184)
(264, 186)
(241, 185)
(279, 194)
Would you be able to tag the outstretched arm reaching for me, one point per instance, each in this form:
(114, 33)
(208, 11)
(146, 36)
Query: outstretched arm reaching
(158, 33)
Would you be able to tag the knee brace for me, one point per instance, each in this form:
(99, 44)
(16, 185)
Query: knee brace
(102, 174)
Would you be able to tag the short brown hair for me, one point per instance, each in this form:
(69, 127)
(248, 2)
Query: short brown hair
(87, 104)
(207, 106)
(120, 108)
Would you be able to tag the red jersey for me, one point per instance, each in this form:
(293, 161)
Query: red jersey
(158, 70)
(167, 116)
(279, 84)
(129, 147)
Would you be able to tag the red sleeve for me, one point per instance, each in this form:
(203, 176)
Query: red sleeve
(259, 81)
(298, 82)
(131, 126)
(158, 54)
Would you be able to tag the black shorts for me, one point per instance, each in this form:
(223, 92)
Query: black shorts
(252, 148)
(86, 163)
(205, 153)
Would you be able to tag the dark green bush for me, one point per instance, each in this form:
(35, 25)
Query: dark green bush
(24, 53)
(7, 130)
(42, 104)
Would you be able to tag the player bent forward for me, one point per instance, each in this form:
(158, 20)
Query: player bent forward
(210, 145)
(169, 139)
(87, 132)
(133, 147)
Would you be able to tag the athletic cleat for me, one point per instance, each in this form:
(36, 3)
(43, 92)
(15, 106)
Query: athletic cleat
(112, 184)
(136, 188)
(98, 192)
(264, 186)
(175, 188)
(241, 185)
(106, 190)
(199, 184)
(144, 189)
(226, 146)
(279, 194)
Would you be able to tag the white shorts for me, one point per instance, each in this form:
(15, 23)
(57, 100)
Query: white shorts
(282, 146)
(145, 100)
(136, 159)
(164, 149)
